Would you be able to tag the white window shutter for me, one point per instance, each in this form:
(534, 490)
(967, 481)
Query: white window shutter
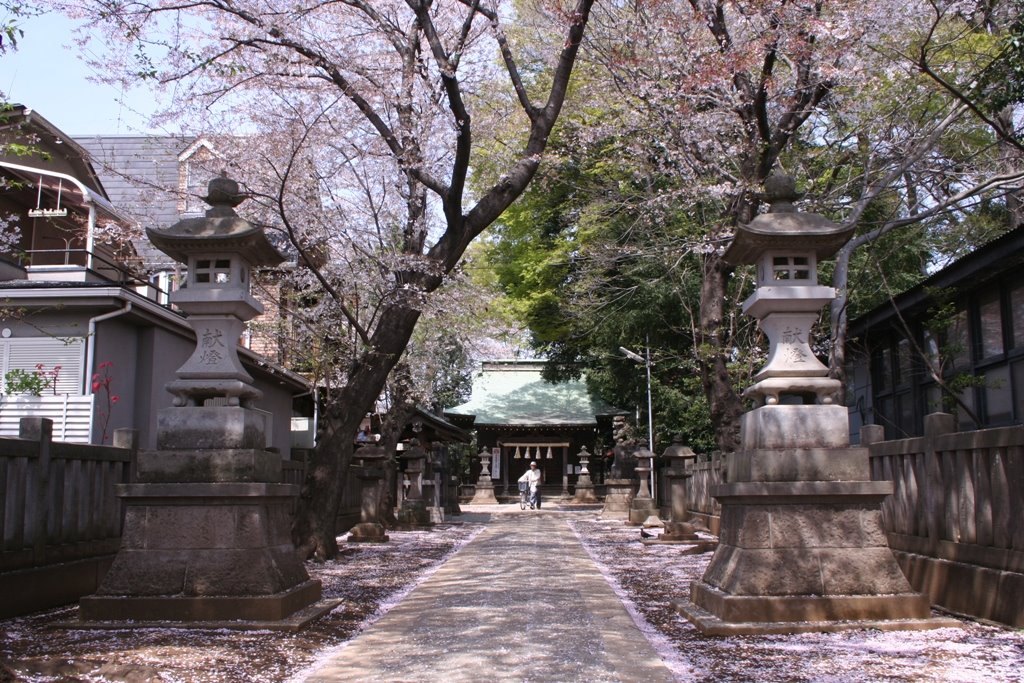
(25, 353)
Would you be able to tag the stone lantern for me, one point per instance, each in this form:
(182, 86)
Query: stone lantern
(413, 511)
(370, 473)
(483, 494)
(206, 540)
(220, 250)
(801, 546)
(679, 456)
(786, 247)
(584, 486)
(643, 510)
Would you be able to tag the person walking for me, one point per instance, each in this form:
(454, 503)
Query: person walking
(532, 478)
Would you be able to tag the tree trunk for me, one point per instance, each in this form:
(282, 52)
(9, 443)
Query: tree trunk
(838, 321)
(314, 530)
(724, 403)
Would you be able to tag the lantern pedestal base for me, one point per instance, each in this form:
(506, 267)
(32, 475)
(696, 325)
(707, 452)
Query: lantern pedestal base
(795, 426)
(197, 552)
(804, 556)
(368, 532)
(413, 513)
(584, 494)
(617, 497)
(484, 494)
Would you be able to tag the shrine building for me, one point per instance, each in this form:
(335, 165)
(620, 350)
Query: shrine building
(521, 418)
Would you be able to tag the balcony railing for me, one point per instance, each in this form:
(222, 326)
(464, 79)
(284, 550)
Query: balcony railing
(74, 265)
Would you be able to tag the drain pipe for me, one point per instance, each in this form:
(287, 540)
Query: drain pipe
(90, 350)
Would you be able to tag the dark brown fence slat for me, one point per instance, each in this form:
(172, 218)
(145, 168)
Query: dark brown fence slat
(983, 497)
(965, 511)
(950, 530)
(1000, 495)
(1015, 482)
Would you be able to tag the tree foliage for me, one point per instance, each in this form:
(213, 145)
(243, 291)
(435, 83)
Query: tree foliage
(686, 107)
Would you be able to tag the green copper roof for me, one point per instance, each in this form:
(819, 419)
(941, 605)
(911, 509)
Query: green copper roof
(512, 392)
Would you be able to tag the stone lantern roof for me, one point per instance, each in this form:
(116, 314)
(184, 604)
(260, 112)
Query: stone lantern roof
(785, 229)
(220, 230)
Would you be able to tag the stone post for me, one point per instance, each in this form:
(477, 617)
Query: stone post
(431, 489)
(206, 540)
(678, 530)
(584, 486)
(452, 506)
(802, 546)
(484, 493)
(370, 472)
(643, 510)
(413, 512)
(619, 489)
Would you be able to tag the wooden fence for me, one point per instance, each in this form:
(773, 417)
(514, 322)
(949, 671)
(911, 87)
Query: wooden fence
(956, 518)
(701, 476)
(60, 520)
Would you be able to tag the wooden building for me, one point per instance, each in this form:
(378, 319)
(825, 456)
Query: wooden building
(520, 418)
(897, 349)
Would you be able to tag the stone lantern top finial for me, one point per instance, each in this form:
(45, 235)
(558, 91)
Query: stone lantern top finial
(223, 194)
(780, 193)
(221, 230)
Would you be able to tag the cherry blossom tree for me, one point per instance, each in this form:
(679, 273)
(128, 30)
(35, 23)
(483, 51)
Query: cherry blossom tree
(373, 109)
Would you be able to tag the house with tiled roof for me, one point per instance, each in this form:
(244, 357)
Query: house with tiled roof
(74, 307)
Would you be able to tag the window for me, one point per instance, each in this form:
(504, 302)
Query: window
(213, 271)
(884, 416)
(998, 396)
(1017, 315)
(883, 369)
(791, 268)
(904, 363)
(931, 349)
(990, 326)
(196, 180)
(964, 421)
(1018, 389)
(904, 417)
(957, 342)
(933, 399)
(24, 353)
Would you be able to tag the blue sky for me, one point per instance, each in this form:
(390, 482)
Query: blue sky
(46, 74)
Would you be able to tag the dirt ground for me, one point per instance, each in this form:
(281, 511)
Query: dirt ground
(371, 578)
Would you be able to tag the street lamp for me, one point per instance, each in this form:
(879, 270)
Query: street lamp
(650, 414)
